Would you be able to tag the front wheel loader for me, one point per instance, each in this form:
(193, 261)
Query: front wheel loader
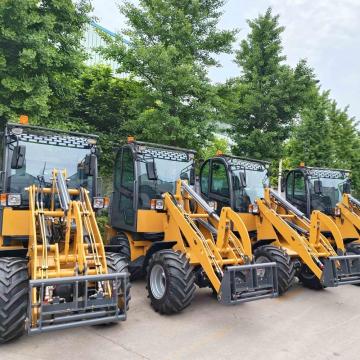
(327, 190)
(272, 221)
(54, 272)
(168, 232)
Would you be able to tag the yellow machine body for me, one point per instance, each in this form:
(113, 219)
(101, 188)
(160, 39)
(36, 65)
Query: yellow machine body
(182, 222)
(270, 219)
(51, 249)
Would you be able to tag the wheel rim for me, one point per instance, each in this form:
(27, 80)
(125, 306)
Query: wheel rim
(157, 281)
(260, 272)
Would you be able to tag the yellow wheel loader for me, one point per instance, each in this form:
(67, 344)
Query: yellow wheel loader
(327, 190)
(166, 230)
(54, 273)
(277, 227)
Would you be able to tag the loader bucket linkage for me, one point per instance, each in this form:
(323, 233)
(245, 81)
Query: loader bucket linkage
(241, 279)
(79, 265)
(336, 268)
(278, 229)
(52, 256)
(171, 234)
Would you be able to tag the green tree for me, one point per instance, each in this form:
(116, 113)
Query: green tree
(40, 57)
(312, 141)
(263, 102)
(217, 144)
(171, 47)
(104, 105)
(327, 137)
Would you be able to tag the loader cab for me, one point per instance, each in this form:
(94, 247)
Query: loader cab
(310, 188)
(143, 173)
(30, 153)
(233, 181)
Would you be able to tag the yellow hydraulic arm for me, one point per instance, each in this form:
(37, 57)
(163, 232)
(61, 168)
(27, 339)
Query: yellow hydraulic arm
(348, 217)
(76, 258)
(302, 237)
(210, 241)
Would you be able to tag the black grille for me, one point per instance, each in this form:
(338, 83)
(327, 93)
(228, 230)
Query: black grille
(58, 140)
(245, 164)
(326, 173)
(163, 154)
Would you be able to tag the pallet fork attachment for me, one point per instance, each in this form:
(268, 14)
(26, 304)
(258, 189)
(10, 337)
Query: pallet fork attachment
(332, 268)
(225, 257)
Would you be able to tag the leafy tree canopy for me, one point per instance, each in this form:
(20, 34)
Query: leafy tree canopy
(40, 57)
(264, 100)
(171, 47)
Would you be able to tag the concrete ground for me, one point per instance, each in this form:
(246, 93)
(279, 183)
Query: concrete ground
(303, 324)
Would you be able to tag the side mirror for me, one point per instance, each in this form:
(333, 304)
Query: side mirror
(347, 188)
(90, 164)
(236, 182)
(18, 157)
(242, 176)
(184, 176)
(192, 176)
(284, 176)
(151, 170)
(317, 187)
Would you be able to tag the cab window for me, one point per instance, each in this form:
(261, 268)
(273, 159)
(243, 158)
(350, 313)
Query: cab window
(299, 186)
(205, 178)
(290, 185)
(127, 176)
(219, 182)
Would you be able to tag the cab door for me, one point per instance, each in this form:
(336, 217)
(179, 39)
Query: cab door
(296, 192)
(123, 207)
(214, 183)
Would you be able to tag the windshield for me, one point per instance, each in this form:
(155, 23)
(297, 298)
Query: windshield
(41, 159)
(330, 195)
(168, 172)
(256, 181)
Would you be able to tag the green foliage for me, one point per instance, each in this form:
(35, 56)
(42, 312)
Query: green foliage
(40, 57)
(326, 137)
(262, 103)
(312, 141)
(104, 105)
(170, 50)
(217, 144)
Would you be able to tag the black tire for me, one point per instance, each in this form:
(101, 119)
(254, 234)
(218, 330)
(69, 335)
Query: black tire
(285, 267)
(123, 249)
(14, 288)
(353, 249)
(309, 279)
(118, 264)
(179, 282)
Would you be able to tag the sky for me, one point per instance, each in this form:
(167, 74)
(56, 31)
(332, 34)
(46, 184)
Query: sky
(324, 32)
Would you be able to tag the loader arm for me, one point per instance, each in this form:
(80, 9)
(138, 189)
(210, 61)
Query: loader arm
(349, 215)
(219, 252)
(66, 251)
(304, 237)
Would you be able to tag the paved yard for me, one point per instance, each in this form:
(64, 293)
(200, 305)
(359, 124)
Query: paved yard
(303, 324)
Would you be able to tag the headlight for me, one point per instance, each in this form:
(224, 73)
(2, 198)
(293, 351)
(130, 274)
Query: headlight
(13, 200)
(254, 209)
(337, 211)
(213, 205)
(98, 203)
(156, 204)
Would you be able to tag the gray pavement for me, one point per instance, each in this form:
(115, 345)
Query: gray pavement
(303, 324)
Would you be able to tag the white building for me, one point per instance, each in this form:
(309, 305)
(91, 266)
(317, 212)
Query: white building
(92, 41)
